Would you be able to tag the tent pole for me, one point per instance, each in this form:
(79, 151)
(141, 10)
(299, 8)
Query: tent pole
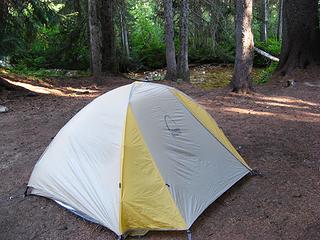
(189, 234)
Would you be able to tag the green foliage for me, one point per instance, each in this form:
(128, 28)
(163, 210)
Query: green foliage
(266, 73)
(147, 37)
(271, 46)
(221, 53)
(53, 34)
(45, 34)
(45, 73)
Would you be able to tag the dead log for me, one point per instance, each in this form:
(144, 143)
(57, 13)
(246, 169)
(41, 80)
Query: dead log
(266, 55)
(11, 87)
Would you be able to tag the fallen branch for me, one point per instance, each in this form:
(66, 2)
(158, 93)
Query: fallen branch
(11, 87)
(267, 55)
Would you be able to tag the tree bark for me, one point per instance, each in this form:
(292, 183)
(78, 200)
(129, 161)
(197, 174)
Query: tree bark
(102, 37)
(3, 14)
(109, 59)
(170, 47)
(266, 55)
(241, 81)
(280, 20)
(301, 35)
(183, 67)
(3, 21)
(124, 29)
(265, 20)
(95, 37)
(4, 84)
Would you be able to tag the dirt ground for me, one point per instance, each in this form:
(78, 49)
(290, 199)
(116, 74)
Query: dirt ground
(277, 130)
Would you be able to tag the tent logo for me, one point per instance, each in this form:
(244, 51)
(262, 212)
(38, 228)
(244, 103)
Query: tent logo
(172, 126)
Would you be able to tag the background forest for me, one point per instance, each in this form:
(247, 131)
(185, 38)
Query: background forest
(54, 34)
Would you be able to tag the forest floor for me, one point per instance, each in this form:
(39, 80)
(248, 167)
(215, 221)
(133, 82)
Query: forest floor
(277, 130)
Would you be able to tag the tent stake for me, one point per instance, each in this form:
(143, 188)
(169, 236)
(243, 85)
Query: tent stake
(256, 172)
(189, 234)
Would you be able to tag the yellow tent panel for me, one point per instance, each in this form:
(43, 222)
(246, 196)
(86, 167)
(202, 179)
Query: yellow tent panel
(146, 202)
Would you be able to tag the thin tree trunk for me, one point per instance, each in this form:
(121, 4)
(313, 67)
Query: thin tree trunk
(265, 19)
(214, 22)
(95, 37)
(170, 47)
(241, 81)
(3, 23)
(280, 20)
(198, 31)
(183, 67)
(3, 14)
(301, 35)
(124, 30)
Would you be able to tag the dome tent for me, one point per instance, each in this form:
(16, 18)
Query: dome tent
(141, 157)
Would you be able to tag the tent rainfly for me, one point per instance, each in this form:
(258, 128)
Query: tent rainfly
(141, 157)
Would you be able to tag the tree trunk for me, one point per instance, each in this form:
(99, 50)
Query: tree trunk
(3, 22)
(280, 20)
(170, 47)
(4, 84)
(102, 37)
(301, 35)
(183, 67)
(215, 22)
(3, 14)
(109, 59)
(95, 37)
(265, 19)
(241, 81)
(124, 29)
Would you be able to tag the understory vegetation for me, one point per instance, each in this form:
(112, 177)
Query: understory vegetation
(44, 37)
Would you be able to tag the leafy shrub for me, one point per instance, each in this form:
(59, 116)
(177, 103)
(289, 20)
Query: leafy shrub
(147, 37)
(272, 46)
(266, 74)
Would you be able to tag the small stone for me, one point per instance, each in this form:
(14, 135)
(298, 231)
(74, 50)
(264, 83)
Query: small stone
(32, 94)
(3, 109)
(65, 227)
(290, 83)
(297, 195)
(72, 73)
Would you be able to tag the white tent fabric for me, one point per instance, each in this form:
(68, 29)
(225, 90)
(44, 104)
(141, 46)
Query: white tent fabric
(82, 167)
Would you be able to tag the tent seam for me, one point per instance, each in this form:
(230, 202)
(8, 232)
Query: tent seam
(173, 91)
(122, 158)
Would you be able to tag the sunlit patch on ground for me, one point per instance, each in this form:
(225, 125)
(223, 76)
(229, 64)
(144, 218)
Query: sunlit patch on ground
(3, 71)
(205, 76)
(278, 107)
(42, 87)
(299, 116)
(209, 77)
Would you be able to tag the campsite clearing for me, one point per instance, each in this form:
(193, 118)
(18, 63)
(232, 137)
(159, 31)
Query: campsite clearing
(276, 130)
